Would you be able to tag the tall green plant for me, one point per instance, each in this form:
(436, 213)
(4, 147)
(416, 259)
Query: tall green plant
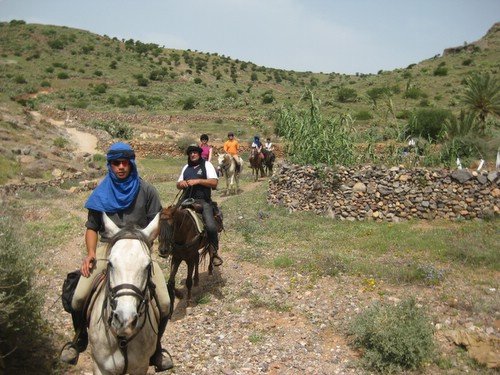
(313, 140)
(482, 96)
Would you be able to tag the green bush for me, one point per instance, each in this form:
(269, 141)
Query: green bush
(429, 123)
(394, 338)
(113, 128)
(20, 79)
(268, 97)
(56, 44)
(413, 92)
(62, 75)
(100, 88)
(346, 94)
(45, 84)
(60, 142)
(441, 71)
(467, 62)
(188, 103)
(23, 347)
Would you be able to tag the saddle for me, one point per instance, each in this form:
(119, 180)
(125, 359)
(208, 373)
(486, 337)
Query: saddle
(196, 209)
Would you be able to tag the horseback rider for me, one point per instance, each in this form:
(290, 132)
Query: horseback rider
(231, 146)
(126, 199)
(257, 144)
(268, 146)
(207, 150)
(198, 177)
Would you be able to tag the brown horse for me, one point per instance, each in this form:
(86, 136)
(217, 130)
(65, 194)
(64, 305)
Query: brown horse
(268, 162)
(256, 163)
(179, 237)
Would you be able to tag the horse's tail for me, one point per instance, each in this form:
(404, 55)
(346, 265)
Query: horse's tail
(204, 252)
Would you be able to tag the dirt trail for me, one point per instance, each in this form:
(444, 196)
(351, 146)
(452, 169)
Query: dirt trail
(83, 141)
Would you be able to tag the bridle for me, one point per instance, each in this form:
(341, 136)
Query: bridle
(112, 293)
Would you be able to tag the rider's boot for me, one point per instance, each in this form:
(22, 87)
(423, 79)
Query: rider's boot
(161, 359)
(216, 257)
(71, 350)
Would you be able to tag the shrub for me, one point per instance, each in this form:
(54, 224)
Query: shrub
(198, 80)
(268, 97)
(45, 84)
(441, 71)
(98, 73)
(413, 92)
(346, 94)
(188, 103)
(62, 75)
(394, 338)
(60, 142)
(100, 88)
(429, 123)
(56, 44)
(467, 62)
(23, 348)
(141, 81)
(114, 128)
(20, 79)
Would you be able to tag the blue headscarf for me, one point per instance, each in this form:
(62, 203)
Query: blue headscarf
(112, 194)
(256, 140)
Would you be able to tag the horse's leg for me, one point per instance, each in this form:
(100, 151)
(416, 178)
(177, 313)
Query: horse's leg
(174, 267)
(231, 183)
(196, 279)
(227, 183)
(189, 280)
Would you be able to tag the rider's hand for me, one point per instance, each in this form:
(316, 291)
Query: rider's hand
(87, 265)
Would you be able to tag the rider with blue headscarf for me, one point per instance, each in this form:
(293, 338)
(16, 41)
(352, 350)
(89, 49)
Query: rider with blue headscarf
(127, 200)
(257, 144)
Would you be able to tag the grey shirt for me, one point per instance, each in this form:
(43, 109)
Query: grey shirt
(142, 210)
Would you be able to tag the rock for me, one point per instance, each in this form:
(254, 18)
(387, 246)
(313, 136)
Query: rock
(359, 187)
(461, 175)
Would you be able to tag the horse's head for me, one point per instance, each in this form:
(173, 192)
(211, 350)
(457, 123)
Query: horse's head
(129, 270)
(224, 160)
(165, 239)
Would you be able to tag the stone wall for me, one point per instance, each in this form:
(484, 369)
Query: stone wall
(386, 194)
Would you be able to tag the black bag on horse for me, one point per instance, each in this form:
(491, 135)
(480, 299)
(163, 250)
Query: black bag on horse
(68, 289)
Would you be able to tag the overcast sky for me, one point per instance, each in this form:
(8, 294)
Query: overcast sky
(342, 36)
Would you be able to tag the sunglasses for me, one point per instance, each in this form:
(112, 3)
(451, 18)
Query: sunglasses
(117, 163)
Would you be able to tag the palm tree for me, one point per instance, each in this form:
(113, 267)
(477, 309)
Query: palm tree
(482, 96)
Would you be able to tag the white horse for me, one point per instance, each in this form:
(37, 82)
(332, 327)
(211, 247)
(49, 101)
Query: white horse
(123, 322)
(227, 165)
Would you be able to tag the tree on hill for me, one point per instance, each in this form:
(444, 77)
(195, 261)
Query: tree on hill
(482, 97)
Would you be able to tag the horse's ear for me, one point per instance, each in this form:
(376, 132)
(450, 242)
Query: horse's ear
(153, 228)
(110, 227)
